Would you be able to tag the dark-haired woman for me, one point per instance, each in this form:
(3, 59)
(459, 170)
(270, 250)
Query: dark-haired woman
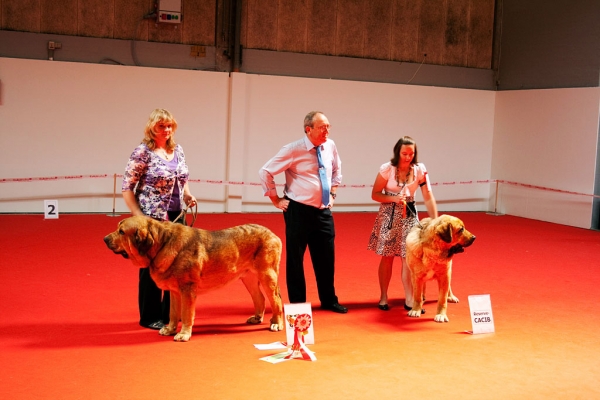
(395, 187)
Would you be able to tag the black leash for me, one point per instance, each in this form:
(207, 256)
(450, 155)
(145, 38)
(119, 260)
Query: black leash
(411, 209)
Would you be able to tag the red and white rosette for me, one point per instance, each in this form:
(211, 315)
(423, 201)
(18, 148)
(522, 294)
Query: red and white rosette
(299, 349)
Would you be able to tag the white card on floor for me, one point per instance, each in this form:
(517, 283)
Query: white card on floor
(50, 209)
(271, 346)
(481, 313)
(291, 311)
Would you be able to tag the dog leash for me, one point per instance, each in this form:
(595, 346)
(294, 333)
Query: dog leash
(405, 208)
(183, 215)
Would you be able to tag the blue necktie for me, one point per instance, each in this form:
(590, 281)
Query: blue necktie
(323, 178)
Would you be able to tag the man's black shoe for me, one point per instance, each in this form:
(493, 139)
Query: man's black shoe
(335, 307)
(155, 325)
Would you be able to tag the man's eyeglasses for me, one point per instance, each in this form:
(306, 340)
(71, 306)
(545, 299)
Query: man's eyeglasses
(323, 128)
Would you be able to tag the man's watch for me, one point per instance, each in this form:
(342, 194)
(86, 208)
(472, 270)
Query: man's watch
(333, 195)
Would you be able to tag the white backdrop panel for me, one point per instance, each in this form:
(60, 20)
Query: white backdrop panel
(453, 129)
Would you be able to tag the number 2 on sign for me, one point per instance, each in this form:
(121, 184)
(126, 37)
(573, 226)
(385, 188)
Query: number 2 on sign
(50, 209)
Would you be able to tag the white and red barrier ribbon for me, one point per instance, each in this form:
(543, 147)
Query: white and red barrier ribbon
(243, 183)
(53, 178)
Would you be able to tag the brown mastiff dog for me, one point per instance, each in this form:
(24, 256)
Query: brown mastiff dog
(189, 261)
(429, 250)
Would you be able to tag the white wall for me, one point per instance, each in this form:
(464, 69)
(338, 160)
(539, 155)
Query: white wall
(547, 138)
(61, 119)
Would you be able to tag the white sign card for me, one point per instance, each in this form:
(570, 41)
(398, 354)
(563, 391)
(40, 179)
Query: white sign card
(50, 209)
(481, 313)
(291, 311)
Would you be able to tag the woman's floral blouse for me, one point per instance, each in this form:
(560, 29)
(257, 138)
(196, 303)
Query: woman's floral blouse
(152, 182)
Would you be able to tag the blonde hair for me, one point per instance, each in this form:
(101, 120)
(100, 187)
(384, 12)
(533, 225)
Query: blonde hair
(158, 116)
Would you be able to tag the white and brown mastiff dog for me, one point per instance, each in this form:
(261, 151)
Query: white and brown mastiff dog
(430, 246)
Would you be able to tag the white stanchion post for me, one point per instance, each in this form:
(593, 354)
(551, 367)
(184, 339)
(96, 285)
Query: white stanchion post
(496, 201)
(114, 207)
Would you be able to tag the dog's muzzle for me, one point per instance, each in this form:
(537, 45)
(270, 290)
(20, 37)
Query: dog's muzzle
(460, 248)
(109, 244)
(470, 242)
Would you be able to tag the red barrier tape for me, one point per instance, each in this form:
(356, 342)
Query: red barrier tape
(53, 178)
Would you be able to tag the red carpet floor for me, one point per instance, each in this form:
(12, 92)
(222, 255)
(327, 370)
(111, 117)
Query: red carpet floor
(69, 321)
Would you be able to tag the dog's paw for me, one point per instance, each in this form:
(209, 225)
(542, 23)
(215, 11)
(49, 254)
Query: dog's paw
(182, 337)
(276, 324)
(441, 318)
(254, 320)
(452, 298)
(166, 331)
(276, 327)
(414, 313)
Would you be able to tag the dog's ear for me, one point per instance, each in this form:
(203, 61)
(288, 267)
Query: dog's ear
(143, 241)
(444, 231)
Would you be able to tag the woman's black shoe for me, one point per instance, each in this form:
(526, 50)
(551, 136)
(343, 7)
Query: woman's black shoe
(384, 307)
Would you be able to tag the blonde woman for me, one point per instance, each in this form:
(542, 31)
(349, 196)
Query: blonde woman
(155, 184)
